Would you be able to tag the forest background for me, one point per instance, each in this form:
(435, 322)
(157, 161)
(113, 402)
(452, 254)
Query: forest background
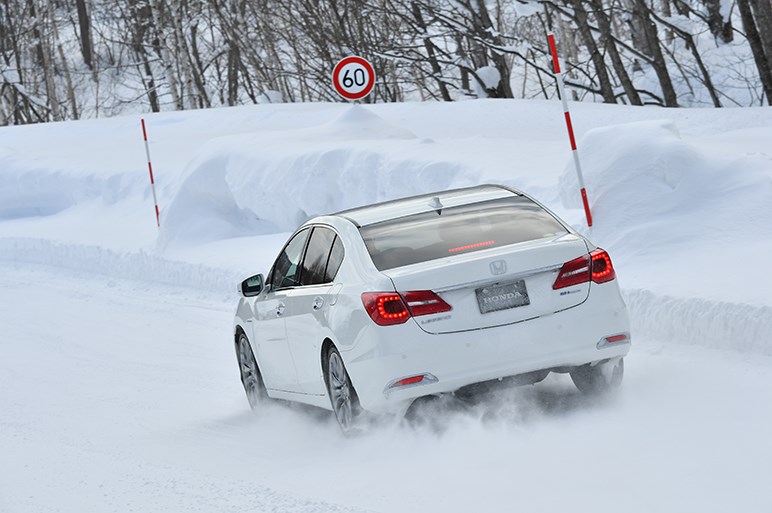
(73, 59)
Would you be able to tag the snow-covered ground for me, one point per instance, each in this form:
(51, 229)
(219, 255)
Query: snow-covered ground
(118, 384)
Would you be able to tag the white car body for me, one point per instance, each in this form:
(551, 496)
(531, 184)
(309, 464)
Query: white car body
(289, 329)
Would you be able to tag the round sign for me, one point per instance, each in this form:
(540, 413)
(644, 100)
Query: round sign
(353, 78)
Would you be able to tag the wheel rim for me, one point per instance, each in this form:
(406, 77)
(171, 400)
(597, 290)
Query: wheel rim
(340, 391)
(249, 372)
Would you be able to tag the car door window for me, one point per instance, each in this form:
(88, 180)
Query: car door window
(334, 261)
(286, 269)
(317, 254)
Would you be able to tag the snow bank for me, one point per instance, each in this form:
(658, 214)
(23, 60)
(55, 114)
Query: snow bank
(653, 191)
(697, 321)
(249, 184)
(29, 190)
(688, 229)
(139, 266)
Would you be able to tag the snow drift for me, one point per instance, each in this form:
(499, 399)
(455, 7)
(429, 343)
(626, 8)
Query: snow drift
(250, 184)
(652, 190)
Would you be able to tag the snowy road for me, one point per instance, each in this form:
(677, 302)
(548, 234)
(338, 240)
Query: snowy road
(124, 396)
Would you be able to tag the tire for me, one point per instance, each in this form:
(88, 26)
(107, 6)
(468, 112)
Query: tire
(343, 397)
(250, 373)
(601, 378)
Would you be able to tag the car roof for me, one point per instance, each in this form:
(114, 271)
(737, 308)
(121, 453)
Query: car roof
(369, 214)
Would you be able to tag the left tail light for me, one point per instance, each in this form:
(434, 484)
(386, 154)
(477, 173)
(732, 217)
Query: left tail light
(388, 308)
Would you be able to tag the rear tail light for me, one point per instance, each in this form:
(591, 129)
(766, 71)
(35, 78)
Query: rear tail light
(388, 308)
(596, 267)
(385, 308)
(425, 302)
(573, 272)
(602, 269)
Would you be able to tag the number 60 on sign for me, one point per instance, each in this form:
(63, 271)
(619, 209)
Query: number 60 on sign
(353, 78)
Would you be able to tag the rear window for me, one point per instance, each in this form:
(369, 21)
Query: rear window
(457, 230)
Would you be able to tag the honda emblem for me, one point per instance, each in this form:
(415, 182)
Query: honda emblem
(498, 267)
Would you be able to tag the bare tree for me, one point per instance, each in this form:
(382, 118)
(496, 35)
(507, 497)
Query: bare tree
(609, 43)
(762, 55)
(84, 22)
(720, 27)
(183, 54)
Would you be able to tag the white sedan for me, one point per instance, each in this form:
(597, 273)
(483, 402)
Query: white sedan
(371, 308)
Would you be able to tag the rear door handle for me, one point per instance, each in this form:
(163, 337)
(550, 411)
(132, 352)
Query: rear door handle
(318, 302)
(280, 309)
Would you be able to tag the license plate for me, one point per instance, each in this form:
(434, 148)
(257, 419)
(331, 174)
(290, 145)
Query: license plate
(502, 296)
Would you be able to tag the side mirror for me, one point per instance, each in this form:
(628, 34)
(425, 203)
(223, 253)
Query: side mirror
(252, 286)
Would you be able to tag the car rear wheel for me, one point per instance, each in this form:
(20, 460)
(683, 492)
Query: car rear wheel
(250, 373)
(343, 397)
(601, 378)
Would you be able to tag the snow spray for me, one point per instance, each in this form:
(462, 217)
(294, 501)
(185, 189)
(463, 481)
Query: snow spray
(569, 126)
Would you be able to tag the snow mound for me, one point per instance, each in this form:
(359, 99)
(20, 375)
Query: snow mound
(245, 185)
(649, 188)
(27, 190)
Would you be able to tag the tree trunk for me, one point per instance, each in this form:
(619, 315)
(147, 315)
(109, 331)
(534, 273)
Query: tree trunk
(141, 19)
(436, 69)
(637, 25)
(504, 89)
(606, 90)
(464, 69)
(163, 51)
(641, 14)
(198, 68)
(63, 58)
(763, 13)
(720, 28)
(568, 47)
(84, 21)
(44, 50)
(667, 13)
(757, 48)
(611, 48)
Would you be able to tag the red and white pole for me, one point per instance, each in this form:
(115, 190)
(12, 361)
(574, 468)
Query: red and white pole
(152, 180)
(569, 126)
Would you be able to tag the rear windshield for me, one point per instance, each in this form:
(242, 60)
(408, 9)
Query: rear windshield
(457, 230)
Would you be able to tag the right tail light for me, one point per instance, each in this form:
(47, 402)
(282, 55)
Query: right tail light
(595, 266)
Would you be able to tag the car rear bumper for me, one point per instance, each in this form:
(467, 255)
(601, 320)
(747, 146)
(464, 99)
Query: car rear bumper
(569, 338)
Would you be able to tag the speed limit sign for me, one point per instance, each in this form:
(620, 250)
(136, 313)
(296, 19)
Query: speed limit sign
(353, 78)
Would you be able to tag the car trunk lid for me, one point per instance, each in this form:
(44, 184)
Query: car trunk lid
(495, 287)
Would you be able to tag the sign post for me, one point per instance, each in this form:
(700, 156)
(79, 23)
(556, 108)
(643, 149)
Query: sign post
(353, 78)
(569, 126)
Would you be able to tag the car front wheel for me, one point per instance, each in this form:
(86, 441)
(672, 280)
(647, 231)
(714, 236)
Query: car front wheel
(601, 378)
